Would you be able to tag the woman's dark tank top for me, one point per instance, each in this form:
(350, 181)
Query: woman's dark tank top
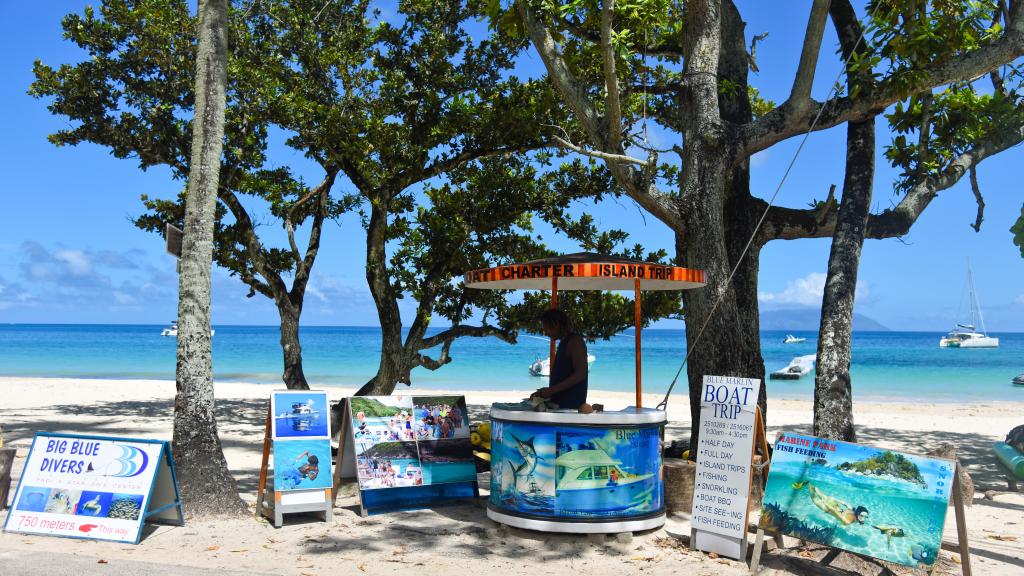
(576, 396)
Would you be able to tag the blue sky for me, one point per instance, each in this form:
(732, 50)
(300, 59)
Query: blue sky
(69, 254)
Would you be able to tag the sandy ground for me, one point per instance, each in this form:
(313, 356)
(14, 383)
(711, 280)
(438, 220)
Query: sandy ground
(461, 538)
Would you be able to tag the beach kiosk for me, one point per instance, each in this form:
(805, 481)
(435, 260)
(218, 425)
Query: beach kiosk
(563, 471)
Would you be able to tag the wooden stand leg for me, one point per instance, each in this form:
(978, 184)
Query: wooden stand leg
(961, 523)
(830, 556)
(755, 558)
(262, 486)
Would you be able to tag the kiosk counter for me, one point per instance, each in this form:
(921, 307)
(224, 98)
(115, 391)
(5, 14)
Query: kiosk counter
(563, 471)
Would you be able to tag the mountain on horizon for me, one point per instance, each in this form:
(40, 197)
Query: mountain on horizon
(810, 319)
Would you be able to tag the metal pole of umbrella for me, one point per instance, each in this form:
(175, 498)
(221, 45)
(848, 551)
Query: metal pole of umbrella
(554, 304)
(639, 385)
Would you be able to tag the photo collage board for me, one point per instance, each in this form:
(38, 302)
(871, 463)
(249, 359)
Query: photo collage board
(410, 441)
(302, 440)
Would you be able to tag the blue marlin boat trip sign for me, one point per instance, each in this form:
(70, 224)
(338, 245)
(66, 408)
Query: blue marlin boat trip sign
(579, 473)
(880, 503)
(96, 487)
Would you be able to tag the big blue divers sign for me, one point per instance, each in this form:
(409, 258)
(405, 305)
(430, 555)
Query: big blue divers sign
(102, 488)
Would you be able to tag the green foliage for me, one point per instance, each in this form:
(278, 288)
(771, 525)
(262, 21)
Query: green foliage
(759, 106)
(424, 123)
(134, 95)
(1018, 232)
(958, 119)
(371, 407)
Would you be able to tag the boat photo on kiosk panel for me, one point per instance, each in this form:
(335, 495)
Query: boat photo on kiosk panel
(575, 471)
(879, 503)
(300, 414)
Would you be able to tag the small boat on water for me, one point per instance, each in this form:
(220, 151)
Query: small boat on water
(965, 335)
(797, 368)
(542, 366)
(1019, 380)
(172, 330)
(790, 339)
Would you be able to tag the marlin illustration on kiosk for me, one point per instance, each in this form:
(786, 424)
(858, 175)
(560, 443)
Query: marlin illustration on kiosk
(529, 465)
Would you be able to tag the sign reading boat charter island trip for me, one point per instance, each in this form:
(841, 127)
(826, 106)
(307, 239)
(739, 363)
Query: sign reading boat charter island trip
(409, 451)
(97, 487)
(298, 426)
(722, 485)
(879, 503)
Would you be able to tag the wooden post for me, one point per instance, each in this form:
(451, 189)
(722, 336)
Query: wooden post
(262, 486)
(554, 304)
(639, 378)
(344, 437)
(961, 523)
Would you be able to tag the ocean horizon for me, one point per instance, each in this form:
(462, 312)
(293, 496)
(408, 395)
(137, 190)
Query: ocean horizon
(890, 365)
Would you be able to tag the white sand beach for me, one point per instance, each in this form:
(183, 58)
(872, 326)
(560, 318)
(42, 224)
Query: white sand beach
(461, 538)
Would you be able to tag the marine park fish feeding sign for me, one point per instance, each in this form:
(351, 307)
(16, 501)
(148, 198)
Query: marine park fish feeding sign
(863, 500)
(97, 487)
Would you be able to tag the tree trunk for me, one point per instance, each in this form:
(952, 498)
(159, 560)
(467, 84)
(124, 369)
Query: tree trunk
(714, 334)
(294, 377)
(833, 400)
(390, 370)
(742, 213)
(207, 487)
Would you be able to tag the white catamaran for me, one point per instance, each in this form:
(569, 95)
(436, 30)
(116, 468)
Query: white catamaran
(965, 335)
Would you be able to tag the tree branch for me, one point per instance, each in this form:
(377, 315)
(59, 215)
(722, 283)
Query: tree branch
(253, 246)
(636, 184)
(439, 167)
(461, 330)
(977, 196)
(800, 95)
(782, 122)
(611, 78)
(303, 269)
(597, 153)
(789, 223)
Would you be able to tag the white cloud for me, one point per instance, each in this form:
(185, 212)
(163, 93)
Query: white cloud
(806, 291)
(123, 299)
(78, 262)
(1019, 300)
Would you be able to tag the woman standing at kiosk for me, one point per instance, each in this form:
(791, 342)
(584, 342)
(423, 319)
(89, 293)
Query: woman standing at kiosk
(567, 381)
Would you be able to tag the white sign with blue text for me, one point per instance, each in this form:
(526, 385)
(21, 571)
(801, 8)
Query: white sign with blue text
(97, 487)
(726, 442)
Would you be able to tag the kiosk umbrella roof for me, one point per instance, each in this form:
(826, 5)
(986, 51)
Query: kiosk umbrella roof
(585, 271)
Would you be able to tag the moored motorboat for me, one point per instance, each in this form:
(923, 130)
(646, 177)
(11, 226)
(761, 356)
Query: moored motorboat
(797, 368)
(172, 330)
(1019, 380)
(790, 339)
(542, 366)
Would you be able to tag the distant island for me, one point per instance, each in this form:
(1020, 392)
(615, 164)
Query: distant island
(888, 464)
(809, 319)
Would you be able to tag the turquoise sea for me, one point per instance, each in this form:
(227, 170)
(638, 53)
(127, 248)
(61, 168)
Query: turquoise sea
(886, 365)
